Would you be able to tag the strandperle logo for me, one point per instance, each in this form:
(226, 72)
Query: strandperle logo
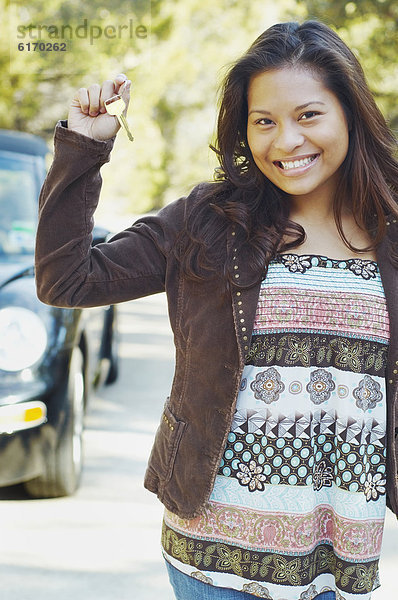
(84, 30)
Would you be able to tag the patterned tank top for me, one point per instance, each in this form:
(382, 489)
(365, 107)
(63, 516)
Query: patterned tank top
(298, 504)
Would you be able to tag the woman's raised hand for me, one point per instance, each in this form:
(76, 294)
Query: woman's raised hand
(87, 113)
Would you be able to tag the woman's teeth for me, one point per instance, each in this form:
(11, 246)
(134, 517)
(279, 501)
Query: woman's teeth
(294, 164)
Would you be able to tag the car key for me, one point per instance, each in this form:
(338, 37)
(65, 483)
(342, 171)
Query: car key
(115, 106)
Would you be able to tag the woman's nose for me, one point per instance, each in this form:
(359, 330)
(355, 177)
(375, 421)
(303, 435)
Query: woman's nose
(288, 137)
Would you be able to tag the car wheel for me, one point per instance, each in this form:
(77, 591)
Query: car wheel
(64, 459)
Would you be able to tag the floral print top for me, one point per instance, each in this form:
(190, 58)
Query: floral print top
(298, 504)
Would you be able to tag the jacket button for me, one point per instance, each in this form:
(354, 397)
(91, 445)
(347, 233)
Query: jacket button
(236, 276)
(395, 371)
(241, 312)
(243, 328)
(245, 337)
(246, 347)
(390, 381)
(240, 304)
(236, 267)
(238, 293)
(242, 320)
(233, 233)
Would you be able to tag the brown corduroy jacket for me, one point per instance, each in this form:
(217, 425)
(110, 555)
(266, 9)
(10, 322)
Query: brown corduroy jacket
(211, 330)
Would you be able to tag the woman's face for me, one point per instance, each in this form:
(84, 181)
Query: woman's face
(297, 131)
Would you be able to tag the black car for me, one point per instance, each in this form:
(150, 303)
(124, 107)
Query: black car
(49, 357)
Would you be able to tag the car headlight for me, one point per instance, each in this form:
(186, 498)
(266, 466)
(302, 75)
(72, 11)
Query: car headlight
(23, 338)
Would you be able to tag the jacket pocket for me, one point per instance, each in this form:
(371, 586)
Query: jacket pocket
(165, 447)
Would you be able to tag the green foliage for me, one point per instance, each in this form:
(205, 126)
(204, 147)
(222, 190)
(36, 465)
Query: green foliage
(41, 81)
(176, 70)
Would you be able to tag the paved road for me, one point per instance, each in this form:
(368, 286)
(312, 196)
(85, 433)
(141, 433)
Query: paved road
(103, 543)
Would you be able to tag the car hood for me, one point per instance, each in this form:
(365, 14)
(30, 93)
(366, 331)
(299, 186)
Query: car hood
(11, 270)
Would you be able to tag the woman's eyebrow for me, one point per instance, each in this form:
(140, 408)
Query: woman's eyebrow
(258, 110)
(266, 112)
(308, 104)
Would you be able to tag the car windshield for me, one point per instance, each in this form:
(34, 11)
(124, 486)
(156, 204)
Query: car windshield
(18, 204)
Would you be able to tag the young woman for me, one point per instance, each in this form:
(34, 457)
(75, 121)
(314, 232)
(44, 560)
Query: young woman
(276, 451)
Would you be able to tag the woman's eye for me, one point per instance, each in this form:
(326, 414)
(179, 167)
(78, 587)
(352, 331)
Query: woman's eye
(309, 114)
(263, 121)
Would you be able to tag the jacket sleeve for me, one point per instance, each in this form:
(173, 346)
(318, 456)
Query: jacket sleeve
(69, 271)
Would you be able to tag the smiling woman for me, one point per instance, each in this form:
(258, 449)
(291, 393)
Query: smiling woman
(299, 148)
(276, 453)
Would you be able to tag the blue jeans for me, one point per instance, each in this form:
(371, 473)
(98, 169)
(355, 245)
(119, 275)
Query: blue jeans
(189, 588)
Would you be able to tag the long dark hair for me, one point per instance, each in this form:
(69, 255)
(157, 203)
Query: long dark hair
(243, 198)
